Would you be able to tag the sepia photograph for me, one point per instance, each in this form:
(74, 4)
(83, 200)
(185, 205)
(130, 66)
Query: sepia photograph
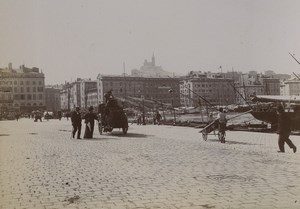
(149, 104)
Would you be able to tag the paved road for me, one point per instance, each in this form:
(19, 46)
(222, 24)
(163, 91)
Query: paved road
(150, 167)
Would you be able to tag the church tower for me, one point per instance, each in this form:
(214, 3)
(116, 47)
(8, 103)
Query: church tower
(153, 59)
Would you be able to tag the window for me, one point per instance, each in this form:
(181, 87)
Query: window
(40, 96)
(15, 82)
(33, 82)
(15, 89)
(34, 89)
(27, 82)
(21, 83)
(21, 89)
(34, 97)
(28, 89)
(22, 97)
(29, 96)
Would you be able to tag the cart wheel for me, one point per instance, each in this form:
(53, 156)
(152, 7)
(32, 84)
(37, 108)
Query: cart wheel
(221, 137)
(125, 129)
(204, 135)
(100, 127)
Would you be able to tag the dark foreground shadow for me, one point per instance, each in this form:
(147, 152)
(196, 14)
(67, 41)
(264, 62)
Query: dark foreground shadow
(65, 130)
(232, 142)
(96, 139)
(118, 136)
(4, 134)
(129, 135)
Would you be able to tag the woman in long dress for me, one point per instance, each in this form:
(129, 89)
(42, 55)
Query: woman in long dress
(89, 120)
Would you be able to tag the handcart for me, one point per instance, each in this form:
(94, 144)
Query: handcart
(221, 130)
(211, 127)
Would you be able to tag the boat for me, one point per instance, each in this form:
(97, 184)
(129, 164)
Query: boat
(266, 106)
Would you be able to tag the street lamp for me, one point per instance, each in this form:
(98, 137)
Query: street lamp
(143, 110)
(142, 97)
(171, 91)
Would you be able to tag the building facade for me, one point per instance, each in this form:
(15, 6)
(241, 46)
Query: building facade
(52, 99)
(85, 86)
(292, 87)
(65, 99)
(92, 98)
(149, 88)
(256, 84)
(26, 87)
(199, 91)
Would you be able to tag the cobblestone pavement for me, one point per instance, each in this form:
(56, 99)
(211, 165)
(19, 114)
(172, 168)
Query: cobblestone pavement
(150, 167)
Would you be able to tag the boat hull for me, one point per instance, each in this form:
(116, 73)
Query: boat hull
(272, 118)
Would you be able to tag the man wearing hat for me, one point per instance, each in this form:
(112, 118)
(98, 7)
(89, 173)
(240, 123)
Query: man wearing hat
(284, 130)
(76, 122)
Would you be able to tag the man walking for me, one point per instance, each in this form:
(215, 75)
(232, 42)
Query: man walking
(284, 130)
(76, 122)
(222, 124)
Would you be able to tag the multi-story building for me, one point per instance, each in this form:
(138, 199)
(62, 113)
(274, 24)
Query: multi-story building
(52, 98)
(65, 99)
(256, 84)
(150, 88)
(292, 87)
(26, 87)
(199, 91)
(75, 94)
(85, 86)
(271, 86)
(246, 91)
(92, 98)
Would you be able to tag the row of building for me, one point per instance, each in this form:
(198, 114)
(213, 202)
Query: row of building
(24, 89)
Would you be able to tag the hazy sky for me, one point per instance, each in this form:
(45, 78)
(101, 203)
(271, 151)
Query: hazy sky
(81, 38)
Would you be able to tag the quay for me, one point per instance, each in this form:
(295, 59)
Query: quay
(151, 166)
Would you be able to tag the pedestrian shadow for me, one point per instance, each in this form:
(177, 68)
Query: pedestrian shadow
(130, 135)
(97, 139)
(241, 143)
(233, 142)
(64, 130)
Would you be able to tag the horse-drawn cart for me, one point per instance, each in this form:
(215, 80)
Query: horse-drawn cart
(112, 116)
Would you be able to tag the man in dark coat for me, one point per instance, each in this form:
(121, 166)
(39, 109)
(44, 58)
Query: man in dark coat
(108, 96)
(76, 122)
(284, 130)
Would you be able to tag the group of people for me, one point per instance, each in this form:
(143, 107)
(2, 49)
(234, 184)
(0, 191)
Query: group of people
(89, 120)
(142, 119)
(284, 123)
(284, 127)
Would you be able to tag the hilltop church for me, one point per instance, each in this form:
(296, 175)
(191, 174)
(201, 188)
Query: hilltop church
(149, 69)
